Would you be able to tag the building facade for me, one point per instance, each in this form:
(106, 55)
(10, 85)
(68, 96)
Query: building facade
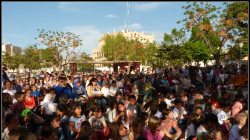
(98, 54)
(10, 49)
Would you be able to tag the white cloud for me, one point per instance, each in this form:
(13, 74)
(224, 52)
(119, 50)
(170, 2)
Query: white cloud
(89, 36)
(111, 16)
(146, 6)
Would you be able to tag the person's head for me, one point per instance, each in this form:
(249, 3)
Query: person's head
(144, 116)
(239, 97)
(162, 106)
(53, 120)
(7, 100)
(8, 84)
(52, 91)
(198, 110)
(120, 107)
(167, 114)
(20, 96)
(11, 121)
(226, 107)
(43, 91)
(48, 133)
(76, 109)
(215, 134)
(97, 112)
(210, 121)
(16, 132)
(28, 136)
(132, 99)
(153, 124)
(113, 83)
(62, 81)
(126, 96)
(240, 118)
(170, 95)
(113, 104)
(28, 93)
(93, 82)
(118, 95)
(116, 130)
(33, 87)
(61, 110)
(41, 80)
(137, 125)
(86, 131)
(197, 102)
(178, 103)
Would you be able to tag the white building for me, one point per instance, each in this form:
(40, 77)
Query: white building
(10, 49)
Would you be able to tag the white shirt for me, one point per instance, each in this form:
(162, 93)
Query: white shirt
(111, 115)
(176, 112)
(168, 102)
(201, 130)
(5, 134)
(87, 83)
(234, 133)
(158, 114)
(113, 90)
(222, 116)
(105, 91)
(11, 92)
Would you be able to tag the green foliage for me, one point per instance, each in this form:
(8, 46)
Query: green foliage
(32, 58)
(85, 57)
(118, 48)
(13, 61)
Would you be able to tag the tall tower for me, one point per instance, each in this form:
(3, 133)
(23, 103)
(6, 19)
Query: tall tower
(127, 18)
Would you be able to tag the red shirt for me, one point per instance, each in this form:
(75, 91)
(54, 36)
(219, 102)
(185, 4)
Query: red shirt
(170, 81)
(30, 102)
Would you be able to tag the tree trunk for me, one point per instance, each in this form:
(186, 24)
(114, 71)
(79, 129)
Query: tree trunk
(128, 68)
(60, 68)
(217, 59)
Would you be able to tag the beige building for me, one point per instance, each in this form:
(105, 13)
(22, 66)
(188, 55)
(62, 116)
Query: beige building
(144, 39)
(10, 49)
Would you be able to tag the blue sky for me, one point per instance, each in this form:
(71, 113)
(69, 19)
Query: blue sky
(88, 19)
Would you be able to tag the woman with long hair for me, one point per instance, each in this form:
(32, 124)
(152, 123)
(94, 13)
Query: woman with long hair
(123, 115)
(116, 131)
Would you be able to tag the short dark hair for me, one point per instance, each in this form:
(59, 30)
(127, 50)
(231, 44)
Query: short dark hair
(131, 97)
(47, 131)
(62, 78)
(9, 116)
(19, 94)
(118, 93)
(177, 101)
(210, 118)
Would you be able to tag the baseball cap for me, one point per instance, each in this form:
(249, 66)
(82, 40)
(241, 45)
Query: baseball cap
(26, 112)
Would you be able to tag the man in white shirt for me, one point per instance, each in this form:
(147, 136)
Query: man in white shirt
(8, 86)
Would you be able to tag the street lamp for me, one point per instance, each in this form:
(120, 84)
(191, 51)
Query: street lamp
(240, 45)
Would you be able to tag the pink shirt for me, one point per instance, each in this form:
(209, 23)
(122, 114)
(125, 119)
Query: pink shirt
(237, 107)
(150, 136)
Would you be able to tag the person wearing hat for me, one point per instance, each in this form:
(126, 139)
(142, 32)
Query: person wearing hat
(30, 120)
(78, 90)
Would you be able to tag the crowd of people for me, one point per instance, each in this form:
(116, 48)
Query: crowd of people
(189, 102)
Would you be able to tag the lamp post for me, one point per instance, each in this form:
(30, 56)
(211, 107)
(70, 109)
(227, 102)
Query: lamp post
(240, 45)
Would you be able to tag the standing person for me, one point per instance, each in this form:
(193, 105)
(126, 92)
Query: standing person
(77, 117)
(133, 106)
(240, 120)
(62, 89)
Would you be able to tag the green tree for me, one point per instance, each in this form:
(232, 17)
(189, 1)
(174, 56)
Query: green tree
(201, 14)
(31, 58)
(172, 48)
(59, 42)
(151, 54)
(85, 57)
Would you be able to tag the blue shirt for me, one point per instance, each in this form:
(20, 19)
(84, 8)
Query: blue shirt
(37, 93)
(165, 82)
(62, 90)
(77, 121)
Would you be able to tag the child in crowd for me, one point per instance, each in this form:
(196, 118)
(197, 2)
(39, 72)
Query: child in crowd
(54, 121)
(77, 117)
(117, 131)
(35, 93)
(29, 101)
(240, 121)
(136, 129)
(11, 121)
(238, 106)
